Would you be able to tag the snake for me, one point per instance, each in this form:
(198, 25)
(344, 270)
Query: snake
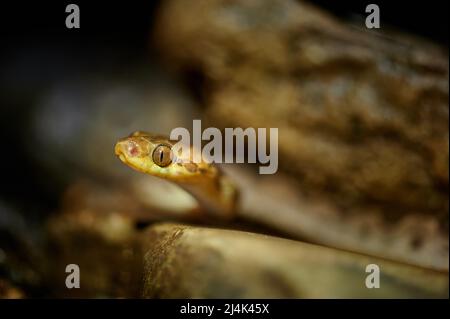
(154, 155)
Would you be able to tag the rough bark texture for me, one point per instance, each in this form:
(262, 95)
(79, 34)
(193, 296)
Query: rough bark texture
(193, 262)
(362, 115)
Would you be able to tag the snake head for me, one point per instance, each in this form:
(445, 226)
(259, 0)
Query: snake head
(152, 154)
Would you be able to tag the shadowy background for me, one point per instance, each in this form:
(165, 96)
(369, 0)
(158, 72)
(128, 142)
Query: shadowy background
(39, 52)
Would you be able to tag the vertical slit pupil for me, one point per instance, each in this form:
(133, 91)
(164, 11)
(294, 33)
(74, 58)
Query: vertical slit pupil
(161, 156)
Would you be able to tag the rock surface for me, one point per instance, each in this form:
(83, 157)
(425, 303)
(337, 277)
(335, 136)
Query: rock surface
(193, 262)
(106, 248)
(9, 291)
(165, 260)
(362, 115)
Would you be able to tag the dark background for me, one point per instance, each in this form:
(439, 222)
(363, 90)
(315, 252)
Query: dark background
(115, 33)
(120, 23)
(37, 50)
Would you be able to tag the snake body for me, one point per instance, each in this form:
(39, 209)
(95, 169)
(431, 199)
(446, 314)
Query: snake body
(152, 154)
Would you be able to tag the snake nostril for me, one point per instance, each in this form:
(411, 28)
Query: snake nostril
(133, 149)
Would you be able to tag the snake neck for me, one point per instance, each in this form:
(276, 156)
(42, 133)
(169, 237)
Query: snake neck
(217, 196)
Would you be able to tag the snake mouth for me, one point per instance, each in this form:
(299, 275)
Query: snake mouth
(118, 148)
(122, 158)
(119, 151)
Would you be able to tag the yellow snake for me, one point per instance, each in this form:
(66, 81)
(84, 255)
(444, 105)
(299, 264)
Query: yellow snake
(152, 154)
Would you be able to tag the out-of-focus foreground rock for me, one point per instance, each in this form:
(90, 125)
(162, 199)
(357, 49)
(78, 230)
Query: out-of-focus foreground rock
(106, 248)
(178, 261)
(194, 262)
(362, 115)
(8, 291)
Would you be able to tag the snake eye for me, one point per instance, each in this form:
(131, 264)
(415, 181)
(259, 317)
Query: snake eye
(162, 155)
